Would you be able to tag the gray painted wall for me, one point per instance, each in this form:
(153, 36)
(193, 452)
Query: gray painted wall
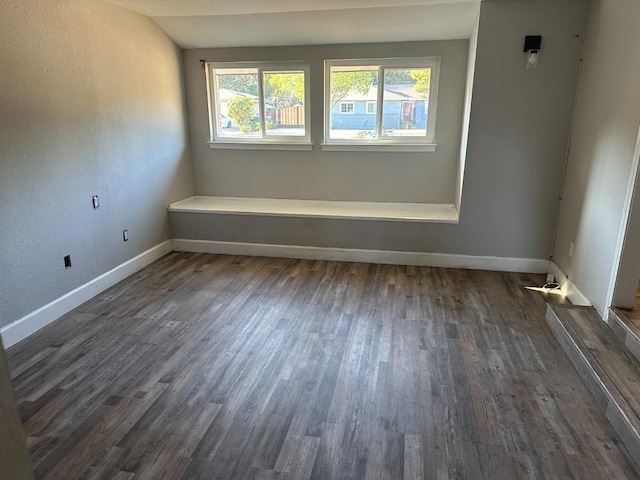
(468, 100)
(318, 175)
(604, 138)
(91, 103)
(516, 149)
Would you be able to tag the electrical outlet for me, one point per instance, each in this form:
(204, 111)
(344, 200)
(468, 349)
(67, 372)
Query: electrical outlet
(125, 235)
(95, 201)
(67, 261)
(572, 246)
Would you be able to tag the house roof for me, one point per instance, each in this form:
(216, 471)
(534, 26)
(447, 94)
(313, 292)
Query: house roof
(226, 94)
(392, 92)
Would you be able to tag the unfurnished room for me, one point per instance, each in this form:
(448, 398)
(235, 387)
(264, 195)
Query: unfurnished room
(356, 239)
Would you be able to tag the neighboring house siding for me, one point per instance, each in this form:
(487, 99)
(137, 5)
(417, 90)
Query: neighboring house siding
(358, 120)
(391, 120)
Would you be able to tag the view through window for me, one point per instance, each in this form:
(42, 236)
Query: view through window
(381, 101)
(255, 103)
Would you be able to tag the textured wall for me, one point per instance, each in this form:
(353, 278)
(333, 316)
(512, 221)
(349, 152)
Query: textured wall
(518, 133)
(604, 138)
(91, 102)
(468, 101)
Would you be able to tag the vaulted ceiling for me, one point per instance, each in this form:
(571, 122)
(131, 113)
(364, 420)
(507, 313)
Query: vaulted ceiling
(243, 23)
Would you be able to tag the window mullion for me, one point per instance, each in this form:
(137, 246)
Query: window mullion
(380, 96)
(261, 103)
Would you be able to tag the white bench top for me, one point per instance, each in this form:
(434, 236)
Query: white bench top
(405, 212)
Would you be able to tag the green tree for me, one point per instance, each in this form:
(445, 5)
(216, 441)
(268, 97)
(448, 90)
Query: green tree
(344, 82)
(240, 109)
(284, 89)
(397, 77)
(423, 81)
(243, 83)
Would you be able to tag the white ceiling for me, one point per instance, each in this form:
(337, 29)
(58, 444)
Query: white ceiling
(244, 23)
(189, 8)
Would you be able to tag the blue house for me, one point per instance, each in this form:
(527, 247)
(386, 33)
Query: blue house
(403, 108)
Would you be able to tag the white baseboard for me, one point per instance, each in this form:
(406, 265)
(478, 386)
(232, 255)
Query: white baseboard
(472, 262)
(34, 321)
(22, 328)
(572, 292)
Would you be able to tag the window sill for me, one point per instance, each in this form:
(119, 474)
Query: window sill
(401, 212)
(382, 147)
(260, 146)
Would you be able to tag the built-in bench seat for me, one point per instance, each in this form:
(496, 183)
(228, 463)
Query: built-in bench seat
(405, 212)
(329, 230)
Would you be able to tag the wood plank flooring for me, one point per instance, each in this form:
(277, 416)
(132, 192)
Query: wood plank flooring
(609, 370)
(216, 367)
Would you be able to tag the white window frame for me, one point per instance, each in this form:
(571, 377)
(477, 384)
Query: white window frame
(374, 108)
(410, 143)
(353, 108)
(276, 142)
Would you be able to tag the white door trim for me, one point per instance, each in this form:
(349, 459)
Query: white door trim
(626, 265)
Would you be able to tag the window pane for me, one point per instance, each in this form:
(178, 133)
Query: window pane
(284, 103)
(405, 102)
(347, 108)
(350, 90)
(238, 107)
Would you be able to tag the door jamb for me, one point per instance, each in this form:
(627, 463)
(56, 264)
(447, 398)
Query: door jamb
(626, 266)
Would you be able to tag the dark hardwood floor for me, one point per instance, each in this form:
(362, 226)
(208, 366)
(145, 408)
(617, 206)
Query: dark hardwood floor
(204, 367)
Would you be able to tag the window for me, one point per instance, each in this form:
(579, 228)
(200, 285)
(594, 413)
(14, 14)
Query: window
(399, 93)
(347, 108)
(371, 108)
(258, 103)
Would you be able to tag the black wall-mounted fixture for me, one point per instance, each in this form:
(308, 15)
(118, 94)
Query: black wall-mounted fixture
(532, 45)
(532, 42)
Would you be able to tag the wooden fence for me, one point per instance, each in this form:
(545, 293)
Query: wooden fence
(290, 116)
